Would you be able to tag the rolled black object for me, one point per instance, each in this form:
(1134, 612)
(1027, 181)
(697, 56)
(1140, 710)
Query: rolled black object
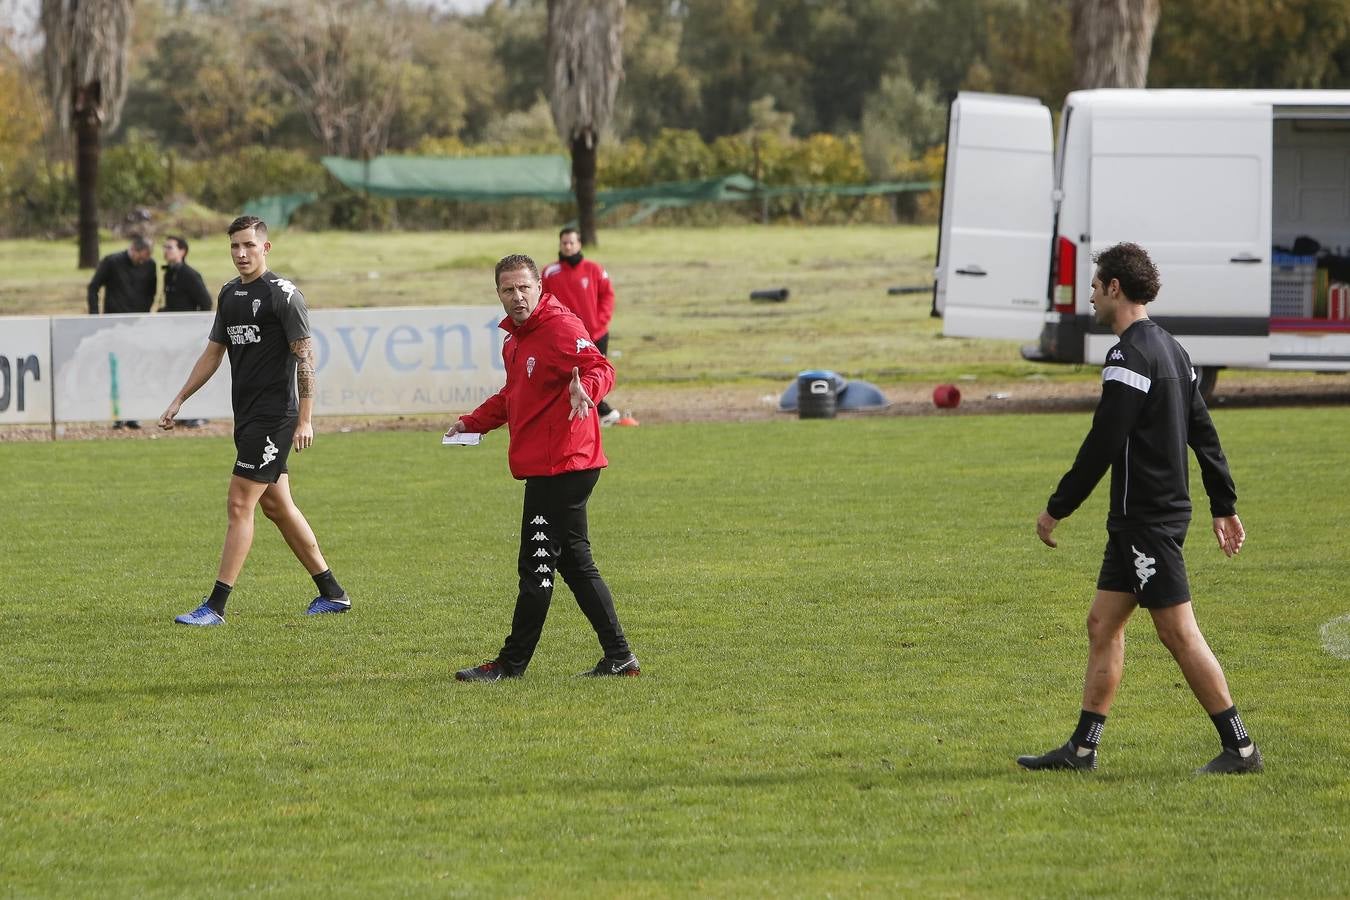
(778, 295)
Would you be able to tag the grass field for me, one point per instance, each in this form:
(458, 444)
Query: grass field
(683, 313)
(847, 628)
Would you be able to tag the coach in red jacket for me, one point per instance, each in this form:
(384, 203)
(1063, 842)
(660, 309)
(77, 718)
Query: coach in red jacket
(553, 372)
(583, 286)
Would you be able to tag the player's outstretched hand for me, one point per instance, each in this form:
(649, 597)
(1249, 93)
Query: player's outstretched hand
(581, 401)
(1231, 534)
(1045, 524)
(457, 428)
(166, 420)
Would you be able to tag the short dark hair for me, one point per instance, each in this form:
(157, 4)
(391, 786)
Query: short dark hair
(570, 230)
(1129, 264)
(180, 241)
(140, 242)
(258, 225)
(513, 262)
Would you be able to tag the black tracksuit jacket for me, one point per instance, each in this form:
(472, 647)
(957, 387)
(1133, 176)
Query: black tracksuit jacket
(1150, 411)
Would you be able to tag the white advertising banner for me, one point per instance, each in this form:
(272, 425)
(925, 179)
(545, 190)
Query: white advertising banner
(25, 370)
(438, 359)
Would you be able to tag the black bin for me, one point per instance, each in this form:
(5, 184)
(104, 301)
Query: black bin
(817, 395)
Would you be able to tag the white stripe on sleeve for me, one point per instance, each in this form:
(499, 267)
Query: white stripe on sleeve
(1127, 377)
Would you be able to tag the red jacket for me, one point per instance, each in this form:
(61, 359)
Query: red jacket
(585, 290)
(534, 404)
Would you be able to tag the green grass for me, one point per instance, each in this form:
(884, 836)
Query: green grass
(683, 312)
(848, 630)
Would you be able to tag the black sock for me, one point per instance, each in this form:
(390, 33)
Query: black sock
(1089, 730)
(1232, 733)
(328, 585)
(219, 595)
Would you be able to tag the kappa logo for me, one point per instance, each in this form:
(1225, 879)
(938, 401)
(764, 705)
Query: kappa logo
(269, 452)
(241, 293)
(542, 568)
(540, 552)
(1143, 567)
(256, 303)
(539, 536)
(286, 286)
(582, 344)
(539, 520)
(529, 367)
(546, 583)
(1117, 355)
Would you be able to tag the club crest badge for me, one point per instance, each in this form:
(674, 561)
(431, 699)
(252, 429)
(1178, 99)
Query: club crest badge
(256, 303)
(529, 367)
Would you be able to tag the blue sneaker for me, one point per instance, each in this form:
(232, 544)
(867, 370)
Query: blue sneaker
(322, 605)
(203, 617)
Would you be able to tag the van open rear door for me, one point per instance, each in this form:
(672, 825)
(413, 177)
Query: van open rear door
(1190, 181)
(993, 268)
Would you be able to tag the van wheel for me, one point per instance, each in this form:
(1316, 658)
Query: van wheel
(1208, 376)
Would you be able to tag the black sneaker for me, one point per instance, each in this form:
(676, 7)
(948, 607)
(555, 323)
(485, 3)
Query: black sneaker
(490, 671)
(1231, 762)
(622, 668)
(1065, 757)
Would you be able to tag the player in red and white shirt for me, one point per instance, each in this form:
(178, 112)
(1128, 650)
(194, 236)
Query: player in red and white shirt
(553, 372)
(583, 286)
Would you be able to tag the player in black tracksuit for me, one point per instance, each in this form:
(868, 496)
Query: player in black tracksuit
(1150, 412)
(261, 320)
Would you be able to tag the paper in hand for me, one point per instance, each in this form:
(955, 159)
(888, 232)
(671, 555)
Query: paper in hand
(463, 438)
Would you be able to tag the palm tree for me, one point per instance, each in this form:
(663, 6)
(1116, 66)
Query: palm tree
(1112, 40)
(585, 61)
(85, 61)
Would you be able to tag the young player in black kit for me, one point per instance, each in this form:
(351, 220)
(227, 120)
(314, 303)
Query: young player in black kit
(1150, 410)
(262, 321)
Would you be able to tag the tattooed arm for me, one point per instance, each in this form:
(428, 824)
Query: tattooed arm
(306, 386)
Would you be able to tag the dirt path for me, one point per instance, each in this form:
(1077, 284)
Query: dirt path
(659, 405)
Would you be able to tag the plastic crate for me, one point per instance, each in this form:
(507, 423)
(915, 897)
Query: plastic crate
(1292, 279)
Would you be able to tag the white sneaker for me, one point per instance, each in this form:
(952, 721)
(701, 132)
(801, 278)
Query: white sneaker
(611, 417)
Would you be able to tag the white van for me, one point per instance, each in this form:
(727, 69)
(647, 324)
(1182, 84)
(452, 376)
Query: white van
(1210, 182)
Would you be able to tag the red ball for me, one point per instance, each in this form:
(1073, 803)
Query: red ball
(946, 396)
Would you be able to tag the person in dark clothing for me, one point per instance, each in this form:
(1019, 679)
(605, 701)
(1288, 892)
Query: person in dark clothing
(263, 323)
(127, 279)
(128, 282)
(184, 290)
(555, 376)
(1149, 412)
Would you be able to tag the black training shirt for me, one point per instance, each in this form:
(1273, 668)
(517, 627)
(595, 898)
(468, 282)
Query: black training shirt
(258, 322)
(1150, 410)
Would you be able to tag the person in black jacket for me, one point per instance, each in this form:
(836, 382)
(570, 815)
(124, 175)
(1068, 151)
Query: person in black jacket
(184, 290)
(128, 283)
(128, 280)
(1150, 411)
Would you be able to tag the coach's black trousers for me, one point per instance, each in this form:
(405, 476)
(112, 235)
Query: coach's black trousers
(554, 538)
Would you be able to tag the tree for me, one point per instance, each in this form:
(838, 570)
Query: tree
(85, 62)
(585, 62)
(345, 62)
(1112, 40)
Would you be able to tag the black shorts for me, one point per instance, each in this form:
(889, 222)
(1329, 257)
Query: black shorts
(1147, 562)
(261, 448)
